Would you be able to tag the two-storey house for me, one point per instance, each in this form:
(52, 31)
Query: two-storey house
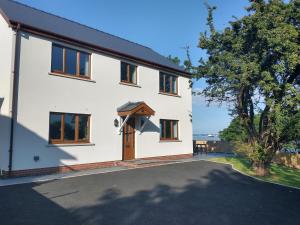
(73, 97)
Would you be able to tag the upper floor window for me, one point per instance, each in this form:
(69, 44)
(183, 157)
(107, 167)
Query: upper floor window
(70, 62)
(69, 128)
(128, 73)
(168, 129)
(168, 83)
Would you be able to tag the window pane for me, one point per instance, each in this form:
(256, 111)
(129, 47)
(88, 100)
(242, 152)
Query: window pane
(168, 129)
(175, 129)
(124, 72)
(83, 133)
(161, 82)
(57, 59)
(168, 84)
(162, 128)
(55, 126)
(69, 128)
(174, 85)
(71, 58)
(132, 74)
(84, 64)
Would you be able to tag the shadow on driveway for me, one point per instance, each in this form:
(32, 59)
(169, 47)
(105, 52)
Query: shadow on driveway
(187, 193)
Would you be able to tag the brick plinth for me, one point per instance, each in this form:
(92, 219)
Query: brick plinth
(88, 166)
(59, 169)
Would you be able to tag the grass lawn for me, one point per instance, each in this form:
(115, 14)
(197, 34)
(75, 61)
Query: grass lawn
(279, 174)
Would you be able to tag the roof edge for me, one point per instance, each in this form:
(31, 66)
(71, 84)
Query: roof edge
(137, 107)
(5, 17)
(83, 44)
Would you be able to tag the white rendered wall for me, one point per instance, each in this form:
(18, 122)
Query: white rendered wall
(40, 93)
(6, 44)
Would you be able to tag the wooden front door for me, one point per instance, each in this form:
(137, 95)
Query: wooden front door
(129, 139)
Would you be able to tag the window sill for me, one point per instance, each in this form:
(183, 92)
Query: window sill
(70, 145)
(166, 141)
(72, 77)
(173, 95)
(130, 84)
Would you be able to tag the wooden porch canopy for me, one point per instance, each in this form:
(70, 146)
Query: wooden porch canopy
(135, 108)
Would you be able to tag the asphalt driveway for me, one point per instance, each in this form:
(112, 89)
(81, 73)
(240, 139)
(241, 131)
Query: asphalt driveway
(186, 193)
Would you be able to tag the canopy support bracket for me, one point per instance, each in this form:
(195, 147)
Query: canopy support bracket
(122, 125)
(145, 123)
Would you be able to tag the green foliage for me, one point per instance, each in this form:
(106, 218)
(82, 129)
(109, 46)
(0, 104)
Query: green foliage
(291, 128)
(175, 59)
(251, 151)
(254, 64)
(187, 63)
(234, 132)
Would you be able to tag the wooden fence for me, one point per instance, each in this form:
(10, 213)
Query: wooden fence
(287, 159)
(213, 146)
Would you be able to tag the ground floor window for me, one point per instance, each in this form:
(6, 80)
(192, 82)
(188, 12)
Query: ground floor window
(169, 129)
(69, 128)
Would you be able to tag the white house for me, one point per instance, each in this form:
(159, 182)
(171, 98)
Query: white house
(72, 97)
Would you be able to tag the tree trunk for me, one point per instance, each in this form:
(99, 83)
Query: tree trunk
(262, 169)
(262, 121)
(246, 112)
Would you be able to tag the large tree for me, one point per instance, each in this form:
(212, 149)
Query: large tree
(254, 64)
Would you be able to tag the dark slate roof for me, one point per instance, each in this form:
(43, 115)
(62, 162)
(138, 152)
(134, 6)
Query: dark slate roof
(43, 21)
(129, 106)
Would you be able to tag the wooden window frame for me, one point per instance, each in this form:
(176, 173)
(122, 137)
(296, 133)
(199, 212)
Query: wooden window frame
(170, 77)
(128, 73)
(76, 140)
(164, 132)
(78, 52)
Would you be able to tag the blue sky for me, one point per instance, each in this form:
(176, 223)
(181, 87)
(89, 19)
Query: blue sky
(163, 25)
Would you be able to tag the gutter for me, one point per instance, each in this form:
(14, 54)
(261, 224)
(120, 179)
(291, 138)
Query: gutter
(15, 74)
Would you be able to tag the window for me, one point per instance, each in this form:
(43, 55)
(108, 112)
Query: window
(168, 129)
(57, 59)
(84, 60)
(168, 84)
(128, 73)
(70, 62)
(69, 128)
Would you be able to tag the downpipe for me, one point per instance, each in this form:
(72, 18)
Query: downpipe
(13, 111)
